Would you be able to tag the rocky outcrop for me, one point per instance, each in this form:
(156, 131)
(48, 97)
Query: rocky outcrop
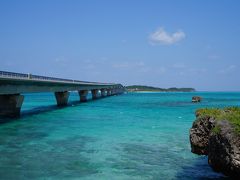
(219, 140)
(199, 135)
(196, 99)
(224, 150)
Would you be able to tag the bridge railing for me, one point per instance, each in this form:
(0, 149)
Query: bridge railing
(44, 78)
(49, 78)
(13, 74)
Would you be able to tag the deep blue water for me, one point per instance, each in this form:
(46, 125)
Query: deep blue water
(132, 136)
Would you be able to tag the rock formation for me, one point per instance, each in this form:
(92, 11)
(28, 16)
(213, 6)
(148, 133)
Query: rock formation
(199, 135)
(215, 133)
(196, 99)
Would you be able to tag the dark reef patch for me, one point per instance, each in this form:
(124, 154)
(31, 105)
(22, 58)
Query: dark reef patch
(60, 158)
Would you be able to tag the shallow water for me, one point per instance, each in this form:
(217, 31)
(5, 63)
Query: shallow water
(132, 136)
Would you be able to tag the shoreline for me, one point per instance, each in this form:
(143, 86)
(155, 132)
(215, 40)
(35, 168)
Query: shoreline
(183, 92)
(159, 92)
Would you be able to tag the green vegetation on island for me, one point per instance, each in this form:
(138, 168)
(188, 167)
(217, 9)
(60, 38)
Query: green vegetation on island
(231, 114)
(137, 88)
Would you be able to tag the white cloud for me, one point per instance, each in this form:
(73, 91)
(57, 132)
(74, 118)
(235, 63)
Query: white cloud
(121, 65)
(161, 70)
(140, 63)
(228, 69)
(144, 69)
(126, 65)
(60, 59)
(138, 67)
(162, 37)
(179, 65)
(197, 70)
(87, 61)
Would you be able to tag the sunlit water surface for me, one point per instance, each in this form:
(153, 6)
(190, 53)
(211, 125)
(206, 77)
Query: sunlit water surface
(132, 136)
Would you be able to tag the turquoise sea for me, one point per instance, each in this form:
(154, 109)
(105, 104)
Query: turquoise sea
(132, 136)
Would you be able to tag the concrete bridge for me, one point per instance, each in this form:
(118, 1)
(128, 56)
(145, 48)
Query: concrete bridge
(12, 85)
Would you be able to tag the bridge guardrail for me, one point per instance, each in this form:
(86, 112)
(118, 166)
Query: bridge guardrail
(44, 78)
(12, 74)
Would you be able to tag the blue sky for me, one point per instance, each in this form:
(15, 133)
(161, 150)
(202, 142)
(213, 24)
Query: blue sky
(164, 43)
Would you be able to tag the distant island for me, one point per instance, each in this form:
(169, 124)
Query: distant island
(140, 88)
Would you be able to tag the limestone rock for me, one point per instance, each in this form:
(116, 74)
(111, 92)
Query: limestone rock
(199, 135)
(224, 150)
(219, 140)
(196, 99)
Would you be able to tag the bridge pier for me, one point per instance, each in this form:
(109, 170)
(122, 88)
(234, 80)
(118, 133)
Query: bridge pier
(83, 95)
(94, 93)
(108, 92)
(62, 98)
(113, 92)
(10, 105)
(103, 92)
(117, 91)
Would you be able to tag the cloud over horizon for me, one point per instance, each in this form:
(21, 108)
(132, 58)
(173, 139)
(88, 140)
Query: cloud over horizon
(161, 36)
(228, 69)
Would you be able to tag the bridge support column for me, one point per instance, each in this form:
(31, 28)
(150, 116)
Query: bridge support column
(83, 95)
(10, 105)
(62, 98)
(119, 91)
(94, 93)
(113, 91)
(103, 92)
(108, 92)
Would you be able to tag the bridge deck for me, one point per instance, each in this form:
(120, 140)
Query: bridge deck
(14, 83)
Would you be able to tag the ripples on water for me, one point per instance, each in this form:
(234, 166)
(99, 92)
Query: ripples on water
(133, 136)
